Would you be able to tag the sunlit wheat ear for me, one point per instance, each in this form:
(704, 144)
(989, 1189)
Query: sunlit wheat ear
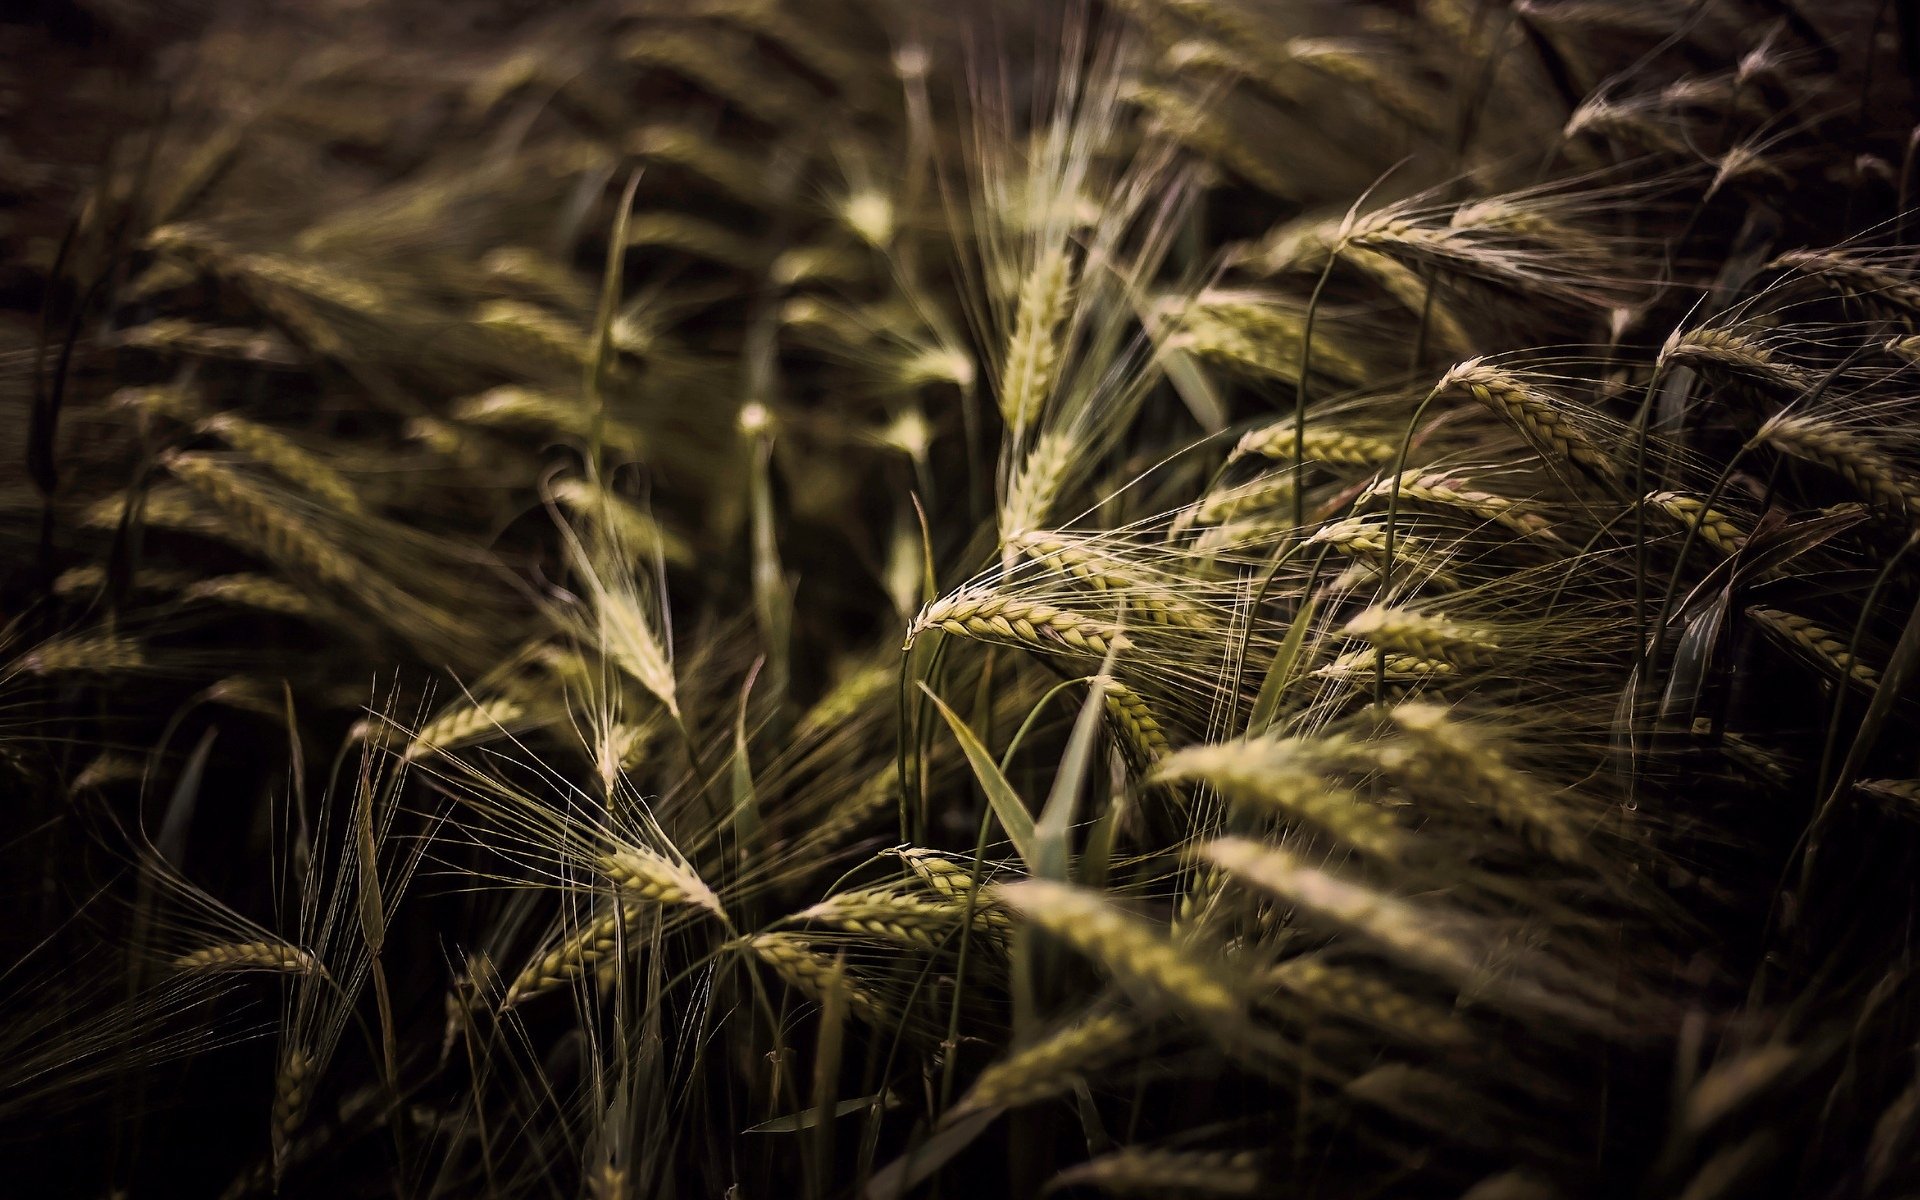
(577, 953)
(876, 793)
(814, 974)
(1148, 596)
(849, 698)
(1366, 539)
(464, 724)
(1536, 413)
(1855, 274)
(261, 593)
(1280, 440)
(1404, 631)
(1141, 732)
(1139, 956)
(633, 526)
(1255, 333)
(1900, 796)
(1442, 490)
(172, 335)
(992, 616)
(1269, 493)
(1357, 995)
(293, 1087)
(84, 653)
(1033, 352)
(285, 458)
(637, 871)
(951, 879)
(277, 532)
(1821, 646)
(510, 408)
(621, 623)
(1036, 482)
(1391, 924)
(166, 507)
(1870, 471)
(1691, 512)
(1200, 128)
(79, 581)
(1136, 1171)
(1446, 755)
(900, 917)
(1403, 670)
(280, 957)
(1278, 777)
(1052, 1065)
(1736, 353)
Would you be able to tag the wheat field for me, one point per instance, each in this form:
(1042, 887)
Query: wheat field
(879, 599)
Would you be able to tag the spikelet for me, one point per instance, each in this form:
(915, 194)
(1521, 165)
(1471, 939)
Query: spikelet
(77, 581)
(279, 957)
(1378, 78)
(166, 507)
(1532, 410)
(1138, 955)
(994, 617)
(814, 974)
(1135, 1171)
(1401, 631)
(1829, 649)
(1033, 353)
(1715, 527)
(1278, 777)
(1051, 1065)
